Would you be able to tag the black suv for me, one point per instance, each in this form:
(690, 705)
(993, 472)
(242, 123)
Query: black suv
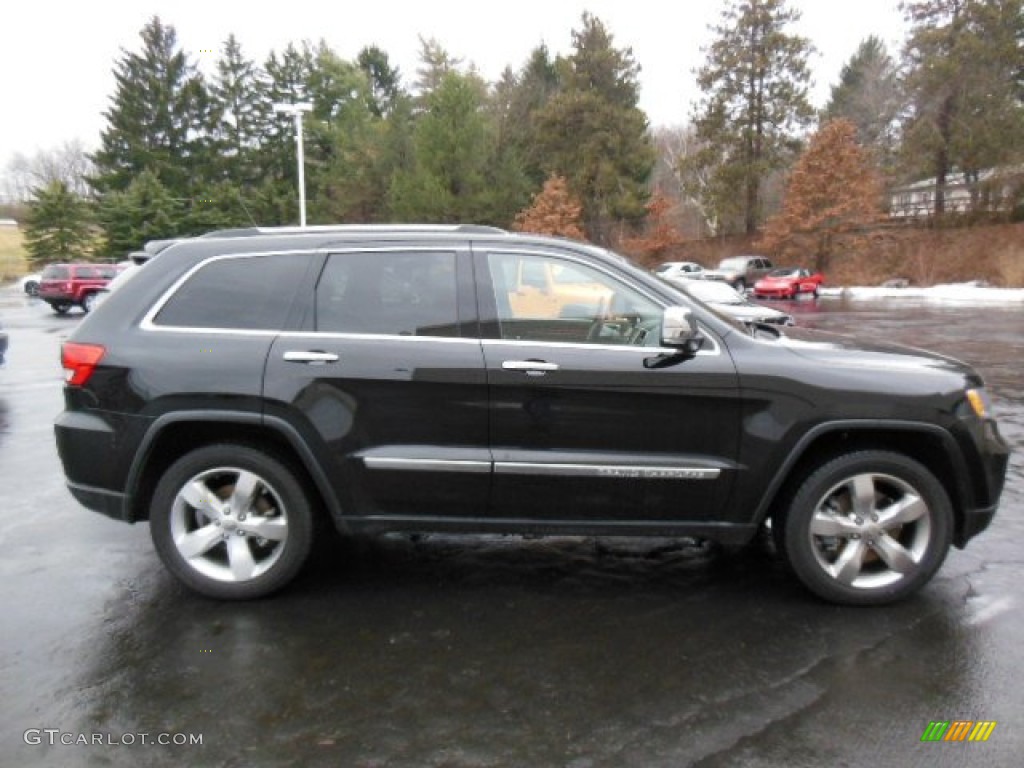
(464, 379)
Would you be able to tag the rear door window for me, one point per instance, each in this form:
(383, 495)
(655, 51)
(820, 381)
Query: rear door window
(397, 293)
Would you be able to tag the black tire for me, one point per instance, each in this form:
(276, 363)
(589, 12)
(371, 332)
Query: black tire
(229, 558)
(741, 285)
(880, 553)
(61, 307)
(32, 288)
(88, 302)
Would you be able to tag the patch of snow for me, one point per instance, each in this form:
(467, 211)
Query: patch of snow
(968, 293)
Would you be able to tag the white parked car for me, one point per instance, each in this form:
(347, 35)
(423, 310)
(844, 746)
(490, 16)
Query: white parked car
(30, 283)
(688, 270)
(729, 301)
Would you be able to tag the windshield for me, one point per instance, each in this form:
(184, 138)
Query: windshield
(788, 272)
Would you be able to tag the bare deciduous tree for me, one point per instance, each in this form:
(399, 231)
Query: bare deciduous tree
(67, 164)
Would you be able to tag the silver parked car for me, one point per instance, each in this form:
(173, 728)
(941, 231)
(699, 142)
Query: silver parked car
(728, 301)
(741, 272)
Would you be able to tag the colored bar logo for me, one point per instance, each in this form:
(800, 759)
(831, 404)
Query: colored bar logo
(958, 730)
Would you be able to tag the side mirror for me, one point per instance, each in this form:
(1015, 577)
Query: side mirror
(679, 330)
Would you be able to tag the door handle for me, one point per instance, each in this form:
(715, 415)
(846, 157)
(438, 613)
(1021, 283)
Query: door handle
(529, 367)
(310, 356)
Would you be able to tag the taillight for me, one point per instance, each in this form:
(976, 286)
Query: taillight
(79, 361)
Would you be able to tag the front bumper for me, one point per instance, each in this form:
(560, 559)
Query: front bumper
(973, 522)
(774, 293)
(990, 460)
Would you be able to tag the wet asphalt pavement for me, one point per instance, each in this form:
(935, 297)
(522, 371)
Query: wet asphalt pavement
(492, 651)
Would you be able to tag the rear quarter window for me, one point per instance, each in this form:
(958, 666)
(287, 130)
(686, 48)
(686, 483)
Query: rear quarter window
(55, 273)
(250, 293)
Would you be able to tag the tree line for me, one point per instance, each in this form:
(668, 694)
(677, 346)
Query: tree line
(184, 152)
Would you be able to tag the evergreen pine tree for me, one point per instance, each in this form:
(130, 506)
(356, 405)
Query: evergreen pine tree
(156, 119)
(755, 84)
(593, 134)
(58, 225)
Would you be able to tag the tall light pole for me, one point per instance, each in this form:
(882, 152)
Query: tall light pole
(296, 110)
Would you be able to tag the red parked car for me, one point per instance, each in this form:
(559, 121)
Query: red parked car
(64, 286)
(787, 283)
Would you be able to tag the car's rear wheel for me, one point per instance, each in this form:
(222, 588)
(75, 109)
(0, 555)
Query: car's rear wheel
(867, 528)
(61, 307)
(231, 522)
(741, 285)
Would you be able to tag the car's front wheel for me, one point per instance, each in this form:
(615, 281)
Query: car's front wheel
(867, 528)
(88, 302)
(231, 522)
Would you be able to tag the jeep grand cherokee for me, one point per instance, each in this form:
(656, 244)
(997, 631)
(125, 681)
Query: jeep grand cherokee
(391, 378)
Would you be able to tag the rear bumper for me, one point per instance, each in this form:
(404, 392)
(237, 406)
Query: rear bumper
(109, 503)
(88, 452)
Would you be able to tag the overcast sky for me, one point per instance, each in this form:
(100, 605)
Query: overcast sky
(56, 56)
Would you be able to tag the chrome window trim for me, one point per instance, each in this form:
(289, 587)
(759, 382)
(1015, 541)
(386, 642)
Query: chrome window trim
(376, 337)
(646, 351)
(503, 248)
(148, 323)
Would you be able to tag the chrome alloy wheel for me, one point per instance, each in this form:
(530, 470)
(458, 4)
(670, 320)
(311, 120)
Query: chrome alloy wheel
(871, 530)
(229, 524)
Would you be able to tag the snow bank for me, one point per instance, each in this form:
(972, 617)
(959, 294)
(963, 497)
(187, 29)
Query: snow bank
(966, 293)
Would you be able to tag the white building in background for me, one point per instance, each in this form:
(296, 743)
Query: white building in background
(995, 190)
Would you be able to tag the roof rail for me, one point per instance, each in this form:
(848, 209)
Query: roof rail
(153, 247)
(479, 229)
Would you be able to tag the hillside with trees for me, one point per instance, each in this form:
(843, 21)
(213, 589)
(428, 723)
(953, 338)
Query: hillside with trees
(941, 121)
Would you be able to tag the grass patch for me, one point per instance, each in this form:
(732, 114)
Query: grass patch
(13, 258)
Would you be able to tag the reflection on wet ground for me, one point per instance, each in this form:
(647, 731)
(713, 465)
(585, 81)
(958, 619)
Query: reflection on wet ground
(499, 651)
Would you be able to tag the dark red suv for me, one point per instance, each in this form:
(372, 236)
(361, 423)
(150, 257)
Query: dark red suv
(64, 286)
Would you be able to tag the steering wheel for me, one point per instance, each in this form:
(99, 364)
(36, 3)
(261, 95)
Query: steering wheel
(597, 325)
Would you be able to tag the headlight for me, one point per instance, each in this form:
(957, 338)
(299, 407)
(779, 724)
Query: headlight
(978, 398)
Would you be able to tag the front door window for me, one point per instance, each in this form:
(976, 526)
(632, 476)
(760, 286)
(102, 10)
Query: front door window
(540, 298)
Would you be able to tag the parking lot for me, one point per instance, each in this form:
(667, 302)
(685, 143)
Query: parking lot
(496, 651)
